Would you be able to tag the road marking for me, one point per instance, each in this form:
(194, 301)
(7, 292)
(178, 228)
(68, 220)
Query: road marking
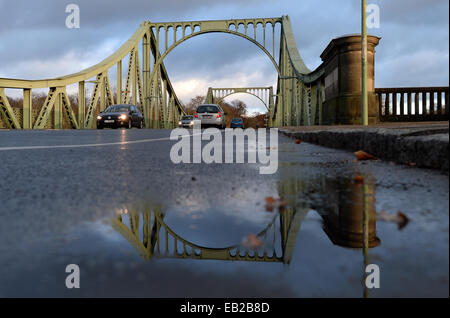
(91, 145)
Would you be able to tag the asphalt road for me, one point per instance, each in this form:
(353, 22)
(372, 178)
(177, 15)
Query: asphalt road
(59, 190)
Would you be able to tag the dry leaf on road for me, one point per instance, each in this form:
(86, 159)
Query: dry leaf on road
(251, 241)
(362, 155)
(400, 218)
(272, 203)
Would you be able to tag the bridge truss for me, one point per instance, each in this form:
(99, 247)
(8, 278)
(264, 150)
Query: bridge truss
(152, 238)
(297, 101)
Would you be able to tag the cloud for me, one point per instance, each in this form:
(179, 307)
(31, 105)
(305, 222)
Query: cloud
(415, 13)
(72, 61)
(421, 68)
(49, 13)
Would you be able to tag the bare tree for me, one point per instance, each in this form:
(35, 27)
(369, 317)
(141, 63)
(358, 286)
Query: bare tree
(192, 105)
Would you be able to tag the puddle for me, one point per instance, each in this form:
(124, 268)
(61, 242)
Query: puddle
(317, 243)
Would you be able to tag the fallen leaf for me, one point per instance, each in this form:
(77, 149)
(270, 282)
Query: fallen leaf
(269, 204)
(400, 218)
(358, 179)
(251, 241)
(362, 155)
(272, 203)
(270, 200)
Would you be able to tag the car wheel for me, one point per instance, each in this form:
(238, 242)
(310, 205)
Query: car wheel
(141, 124)
(129, 124)
(99, 126)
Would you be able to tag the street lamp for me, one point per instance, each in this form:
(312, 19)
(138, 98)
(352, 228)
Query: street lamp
(364, 94)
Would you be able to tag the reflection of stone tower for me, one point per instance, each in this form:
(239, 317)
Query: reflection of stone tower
(158, 240)
(344, 222)
(344, 205)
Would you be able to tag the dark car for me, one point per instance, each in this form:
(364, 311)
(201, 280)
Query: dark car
(116, 116)
(186, 121)
(237, 123)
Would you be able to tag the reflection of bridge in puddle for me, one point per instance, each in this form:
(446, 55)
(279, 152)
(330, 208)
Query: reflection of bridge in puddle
(346, 207)
(159, 240)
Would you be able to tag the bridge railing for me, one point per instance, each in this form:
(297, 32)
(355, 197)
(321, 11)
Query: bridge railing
(413, 103)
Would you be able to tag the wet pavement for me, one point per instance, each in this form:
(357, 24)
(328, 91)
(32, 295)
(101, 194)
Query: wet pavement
(139, 225)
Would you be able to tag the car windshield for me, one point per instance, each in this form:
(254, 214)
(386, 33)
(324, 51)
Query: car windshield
(187, 117)
(237, 120)
(117, 109)
(207, 109)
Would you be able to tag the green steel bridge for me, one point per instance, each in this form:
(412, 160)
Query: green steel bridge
(297, 100)
(330, 94)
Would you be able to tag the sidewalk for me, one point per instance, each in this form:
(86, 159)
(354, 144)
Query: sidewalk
(424, 144)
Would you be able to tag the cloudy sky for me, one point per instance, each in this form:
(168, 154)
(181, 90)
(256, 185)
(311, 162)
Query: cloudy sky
(35, 43)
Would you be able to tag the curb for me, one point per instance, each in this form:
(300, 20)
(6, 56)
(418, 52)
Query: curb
(425, 149)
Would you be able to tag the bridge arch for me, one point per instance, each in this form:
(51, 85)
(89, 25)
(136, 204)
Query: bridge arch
(184, 39)
(265, 104)
(264, 94)
(155, 243)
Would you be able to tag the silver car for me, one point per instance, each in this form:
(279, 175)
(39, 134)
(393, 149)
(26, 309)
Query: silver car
(211, 115)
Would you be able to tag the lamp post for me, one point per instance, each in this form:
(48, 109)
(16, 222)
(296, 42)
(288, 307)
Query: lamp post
(364, 95)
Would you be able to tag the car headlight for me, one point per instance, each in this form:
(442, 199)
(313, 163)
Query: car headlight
(123, 117)
(99, 117)
(191, 123)
(179, 123)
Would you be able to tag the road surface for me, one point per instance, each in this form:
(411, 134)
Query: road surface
(60, 190)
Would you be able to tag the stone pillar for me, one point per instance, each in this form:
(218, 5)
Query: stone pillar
(342, 62)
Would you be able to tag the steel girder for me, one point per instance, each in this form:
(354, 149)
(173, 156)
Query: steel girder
(58, 100)
(7, 112)
(300, 92)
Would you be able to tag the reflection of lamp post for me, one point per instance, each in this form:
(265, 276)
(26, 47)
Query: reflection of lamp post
(366, 230)
(353, 222)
